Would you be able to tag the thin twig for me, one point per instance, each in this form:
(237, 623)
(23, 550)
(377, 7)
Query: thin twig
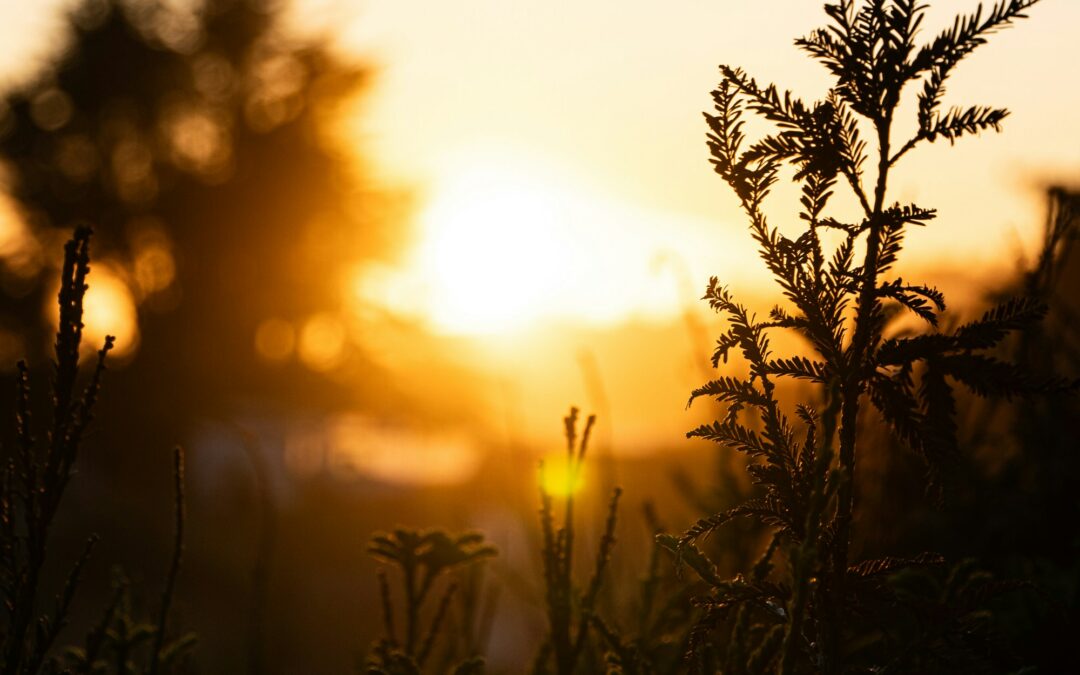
(174, 567)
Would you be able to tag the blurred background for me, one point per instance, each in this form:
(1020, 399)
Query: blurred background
(360, 257)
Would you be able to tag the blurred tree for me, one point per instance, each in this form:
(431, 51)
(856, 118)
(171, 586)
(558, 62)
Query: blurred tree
(197, 139)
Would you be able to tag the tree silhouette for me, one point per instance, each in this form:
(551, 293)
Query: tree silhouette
(202, 132)
(204, 135)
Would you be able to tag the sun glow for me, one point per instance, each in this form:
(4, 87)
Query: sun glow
(497, 250)
(507, 242)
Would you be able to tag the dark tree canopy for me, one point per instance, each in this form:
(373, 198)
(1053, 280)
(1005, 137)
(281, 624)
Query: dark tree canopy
(201, 138)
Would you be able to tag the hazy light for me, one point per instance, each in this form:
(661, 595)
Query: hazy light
(558, 477)
(19, 249)
(322, 342)
(214, 76)
(277, 79)
(275, 339)
(508, 242)
(383, 287)
(200, 141)
(133, 165)
(153, 266)
(350, 445)
(496, 250)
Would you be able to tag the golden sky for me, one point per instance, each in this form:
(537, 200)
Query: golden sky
(592, 111)
(563, 141)
(556, 151)
(561, 145)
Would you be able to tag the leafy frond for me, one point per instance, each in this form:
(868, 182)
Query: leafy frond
(905, 351)
(941, 55)
(765, 509)
(987, 376)
(959, 121)
(879, 567)
(924, 301)
(786, 111)
(733, 435)
(895, 399)
(899, 215)
(816, 191)
(799, 367)
(688, 552)
(867, 51)
(996, 323)
(729, 390)
(968, 33)
(939, 444)
(750, 179)
(743, 332)
(869, 48)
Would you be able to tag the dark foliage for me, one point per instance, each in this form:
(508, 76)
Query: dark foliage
(421, 558)
(35, 477)
(205, 133)
(810, 616)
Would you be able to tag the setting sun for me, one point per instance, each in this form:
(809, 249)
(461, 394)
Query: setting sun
(493, 243)
(506, 242)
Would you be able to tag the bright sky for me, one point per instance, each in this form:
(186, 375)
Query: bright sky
(588, 114)
(603, 99)
(562, 143)
(557, 151)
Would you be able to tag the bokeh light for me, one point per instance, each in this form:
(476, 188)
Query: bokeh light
(322, 342)
(275, 339)
(108, 309)
(559, 476)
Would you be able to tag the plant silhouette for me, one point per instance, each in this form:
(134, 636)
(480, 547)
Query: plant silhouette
(34, 478)
(421, 558)
(809, 616)
(204, 136)
(808, 600)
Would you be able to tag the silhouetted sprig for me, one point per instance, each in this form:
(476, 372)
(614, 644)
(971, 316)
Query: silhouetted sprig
(570, 610)
(422, 559)
(34, 482)
(842, 306)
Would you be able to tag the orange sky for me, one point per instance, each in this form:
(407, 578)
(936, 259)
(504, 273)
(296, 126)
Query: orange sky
(612, 90)
(589, 114)
(603, 99)
(557, 153)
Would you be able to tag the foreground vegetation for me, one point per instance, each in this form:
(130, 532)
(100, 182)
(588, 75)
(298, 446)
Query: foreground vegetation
(810, 603)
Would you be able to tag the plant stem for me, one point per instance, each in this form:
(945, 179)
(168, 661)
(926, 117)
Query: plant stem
(855, 363)
(174, 566)
(412, 607)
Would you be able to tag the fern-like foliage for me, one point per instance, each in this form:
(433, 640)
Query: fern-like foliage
(840, 300)
(422, 558)
(571, 609)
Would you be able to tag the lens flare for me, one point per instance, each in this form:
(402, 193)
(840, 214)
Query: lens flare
(560, 477)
